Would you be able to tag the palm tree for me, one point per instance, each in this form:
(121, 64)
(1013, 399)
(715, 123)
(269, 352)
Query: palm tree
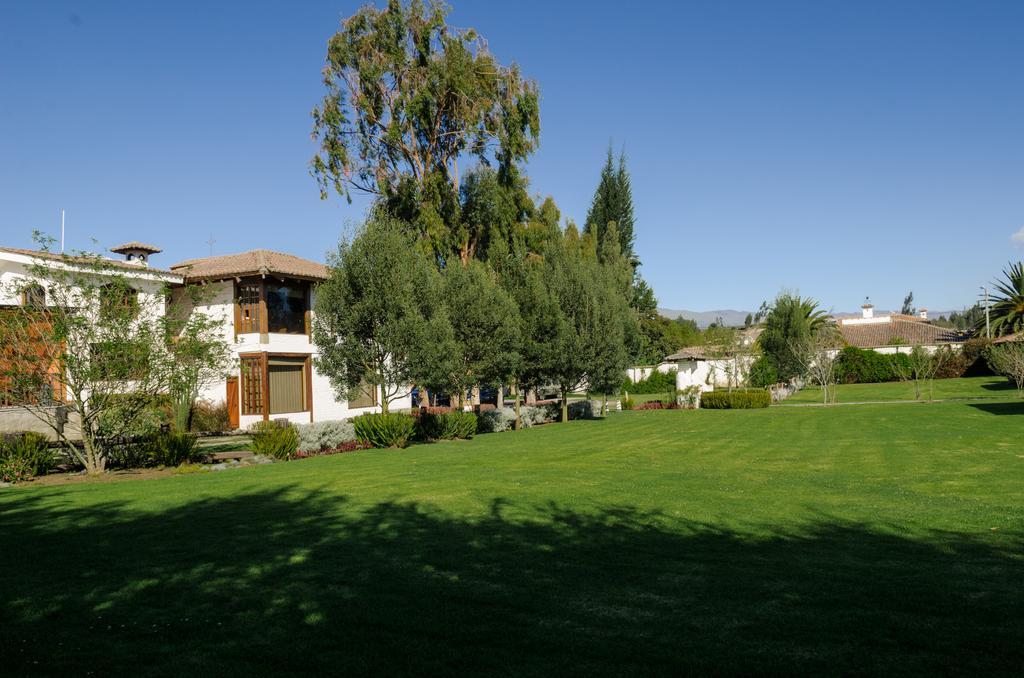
(791, 320)
(1007, 309)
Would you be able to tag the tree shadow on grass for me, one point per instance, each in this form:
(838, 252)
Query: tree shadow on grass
(1002, 385)
(286, 582)
(1000, 408)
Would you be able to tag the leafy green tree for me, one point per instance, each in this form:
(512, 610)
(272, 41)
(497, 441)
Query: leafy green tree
(790, 322)
(522, 275)
(613, 204)
(618, 339)
(568, 276)
(408, 99)
(1007, 309)
(88, 354)
(486, 326)
(1008, 359)
(908, 305)
(199, 356)
(380, 320)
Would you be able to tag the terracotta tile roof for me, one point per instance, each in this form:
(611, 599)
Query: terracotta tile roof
(116, 263)
(136, 245)
(255, 262)
(901, 330)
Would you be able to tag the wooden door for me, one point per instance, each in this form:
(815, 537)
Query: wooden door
(233, 401)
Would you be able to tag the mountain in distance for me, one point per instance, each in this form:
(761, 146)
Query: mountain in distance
(729, 317)
(733, 318)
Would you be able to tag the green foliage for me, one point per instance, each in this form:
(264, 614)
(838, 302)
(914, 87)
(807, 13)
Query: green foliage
(762, 372)
(790, 323)
(385, 429)
(409, 98)
(1007, 309)
(210, 417)
(172, 448)
(864, 366)
(735, 400)
(380, 318)
(495, 421)
(446, 425)
(627, 403)
(25, 456)
(656, 382)
(613, 204)
(273, 440)
(486, 328)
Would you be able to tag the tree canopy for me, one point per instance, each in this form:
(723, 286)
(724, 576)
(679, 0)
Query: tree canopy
(410, 97)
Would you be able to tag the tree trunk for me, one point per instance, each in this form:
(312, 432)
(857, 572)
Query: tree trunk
(565, 405)
(519, 414)
(604, 405)
(384, 405)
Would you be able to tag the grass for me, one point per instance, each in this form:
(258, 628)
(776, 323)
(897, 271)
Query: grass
(942, 389)
(866, 539)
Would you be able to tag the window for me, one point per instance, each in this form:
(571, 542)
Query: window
(34, 296)
(118, 300)
(366, 396)
(286, 307)
(252, 385)
(248, 311)
(287, 385)
(283, 390)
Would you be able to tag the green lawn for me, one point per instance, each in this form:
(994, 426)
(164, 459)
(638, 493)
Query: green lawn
(971, 387)
(866, 539)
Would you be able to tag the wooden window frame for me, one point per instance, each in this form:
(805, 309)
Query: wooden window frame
(264, 367)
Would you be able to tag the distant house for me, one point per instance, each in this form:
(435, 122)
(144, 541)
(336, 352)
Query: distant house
(710, 368)
(894, 332)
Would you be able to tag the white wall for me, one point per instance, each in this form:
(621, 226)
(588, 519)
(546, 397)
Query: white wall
(326, 405)
(641, 372)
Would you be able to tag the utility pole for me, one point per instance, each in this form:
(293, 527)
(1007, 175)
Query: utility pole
(988, 327)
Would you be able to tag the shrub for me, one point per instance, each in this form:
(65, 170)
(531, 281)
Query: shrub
(736, 400)
(496, 421)
(657, 382)
(385, 430)
(128, 452)
(585, 409)
(533, 416)
(15, 470)
(346, 446)
(272, 440)
(325, 435)
(210, 417)
(171, 448)
(446, 425)
(32, 448)
(762, 372)
(628, 403)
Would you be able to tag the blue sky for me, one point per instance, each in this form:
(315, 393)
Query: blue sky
(842, 149)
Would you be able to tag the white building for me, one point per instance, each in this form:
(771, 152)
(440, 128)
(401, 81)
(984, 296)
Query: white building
(894, 332)
(265, 301)
(21, 285)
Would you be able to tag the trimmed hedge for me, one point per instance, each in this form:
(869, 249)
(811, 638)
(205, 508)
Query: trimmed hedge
(864, 366)
(385, 430)
(736, 400)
